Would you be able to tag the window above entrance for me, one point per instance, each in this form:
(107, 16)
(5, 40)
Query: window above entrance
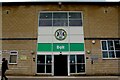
(60, 19)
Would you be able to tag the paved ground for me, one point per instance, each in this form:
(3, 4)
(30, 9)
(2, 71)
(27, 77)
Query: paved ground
(64, 78)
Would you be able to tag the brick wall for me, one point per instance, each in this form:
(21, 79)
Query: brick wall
(21, 21)
(119, 33)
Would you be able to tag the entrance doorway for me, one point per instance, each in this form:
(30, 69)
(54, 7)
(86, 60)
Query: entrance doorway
(60, 65)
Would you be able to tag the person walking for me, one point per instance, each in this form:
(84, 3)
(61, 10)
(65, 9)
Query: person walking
(4, 68)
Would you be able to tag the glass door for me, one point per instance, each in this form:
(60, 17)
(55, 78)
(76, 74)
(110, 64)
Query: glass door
(44, 64)
(77, 64)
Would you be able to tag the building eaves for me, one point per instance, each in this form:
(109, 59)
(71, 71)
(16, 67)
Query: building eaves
(66, 3)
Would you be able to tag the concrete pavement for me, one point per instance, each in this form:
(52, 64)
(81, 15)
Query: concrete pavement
(64, 78)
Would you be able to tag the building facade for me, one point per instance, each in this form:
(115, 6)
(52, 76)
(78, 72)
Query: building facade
(61, 39)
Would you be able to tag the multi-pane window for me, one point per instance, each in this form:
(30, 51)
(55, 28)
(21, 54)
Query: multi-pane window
(13, 57)
(75, 19)
(60, 19)
(44, 63)
(77, 63)
(110, 48)
(45, 19)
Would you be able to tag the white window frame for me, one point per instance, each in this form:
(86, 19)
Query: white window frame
(59, 19)
(13, 54)
(109, 50)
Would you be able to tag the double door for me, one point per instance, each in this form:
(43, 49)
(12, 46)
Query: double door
(60, 65)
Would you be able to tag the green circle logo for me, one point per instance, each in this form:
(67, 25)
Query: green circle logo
(60, 34)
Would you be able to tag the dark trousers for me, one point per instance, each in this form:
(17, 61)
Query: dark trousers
(3, 75)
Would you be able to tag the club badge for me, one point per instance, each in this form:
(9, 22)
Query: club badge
(60, 34)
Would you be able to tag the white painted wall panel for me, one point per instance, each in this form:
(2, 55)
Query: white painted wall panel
(44, 39)
(76, 30)
(45, 31)
(76, 39)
